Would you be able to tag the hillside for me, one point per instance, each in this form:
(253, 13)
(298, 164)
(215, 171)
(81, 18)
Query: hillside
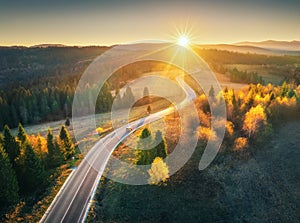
(23, 65)
(273, 45)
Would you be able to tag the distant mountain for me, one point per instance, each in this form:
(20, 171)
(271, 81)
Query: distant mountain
(240, 49)
(47, 45)
(272, 44)
(249, 47)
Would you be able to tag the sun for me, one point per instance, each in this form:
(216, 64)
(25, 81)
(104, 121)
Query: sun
(183, 41)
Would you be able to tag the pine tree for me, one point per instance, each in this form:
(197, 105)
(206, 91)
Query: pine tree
(8, 181)
(161, 147)
(67, 144)
(118, 100)
(10, 145)
(128, 98)
(146, 92)
(1, 139)
(144, 153)
(146, 95)
(149, 109)
(31, 172)
(54, 157)
(23, 112)
(40, 148)
(22, 136)
(211, 92)
(67, 122)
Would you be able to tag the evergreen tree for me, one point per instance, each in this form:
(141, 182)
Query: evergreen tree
(161, 147)
(23, 112)
(235, 105)
(146, 92)
(211, 92)
(8, 181)
(40, 148)
(67, 122)
(44, 108)
(67, 144)
(32, 174)
(22, 136)
(146, 95)
(149, 109)
(145, 154)
(10, 145)
(128, 98)
(118, 100)
(54, 157)
(1, 139)
(14, 116)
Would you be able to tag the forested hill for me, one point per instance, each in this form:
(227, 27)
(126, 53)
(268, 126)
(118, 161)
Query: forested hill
(37, 84)
(23, 66)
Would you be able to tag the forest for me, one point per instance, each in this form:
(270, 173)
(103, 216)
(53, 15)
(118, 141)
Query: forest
(38, 84)
(255, 113)
(30, 164)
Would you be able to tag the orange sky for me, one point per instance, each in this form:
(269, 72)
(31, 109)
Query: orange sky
(100, 23)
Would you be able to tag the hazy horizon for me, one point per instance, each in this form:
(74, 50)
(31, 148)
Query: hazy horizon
(147, 41)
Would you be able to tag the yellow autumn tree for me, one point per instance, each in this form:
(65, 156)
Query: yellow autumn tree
(254, 118)
(159, 171)
(99, 130)
(240, 143)
(39, 145)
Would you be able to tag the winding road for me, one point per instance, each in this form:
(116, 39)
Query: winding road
(72, 202)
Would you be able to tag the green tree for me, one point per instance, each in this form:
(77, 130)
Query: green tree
(161, 148)
(32, 174)
(22, 136)
(145, 154)
(146, 95)
(128, 97)
(118, 100)
(211, 92)
(67, 144)
(146, 92)
(1, 139)
(54, 157)
(149, 109)
(67, 122)
(8, 181)
(10, 145)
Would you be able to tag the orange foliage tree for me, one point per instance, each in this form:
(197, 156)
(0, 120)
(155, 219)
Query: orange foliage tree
(254, 119)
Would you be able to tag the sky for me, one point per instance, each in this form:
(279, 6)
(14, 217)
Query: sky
(109, 22)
